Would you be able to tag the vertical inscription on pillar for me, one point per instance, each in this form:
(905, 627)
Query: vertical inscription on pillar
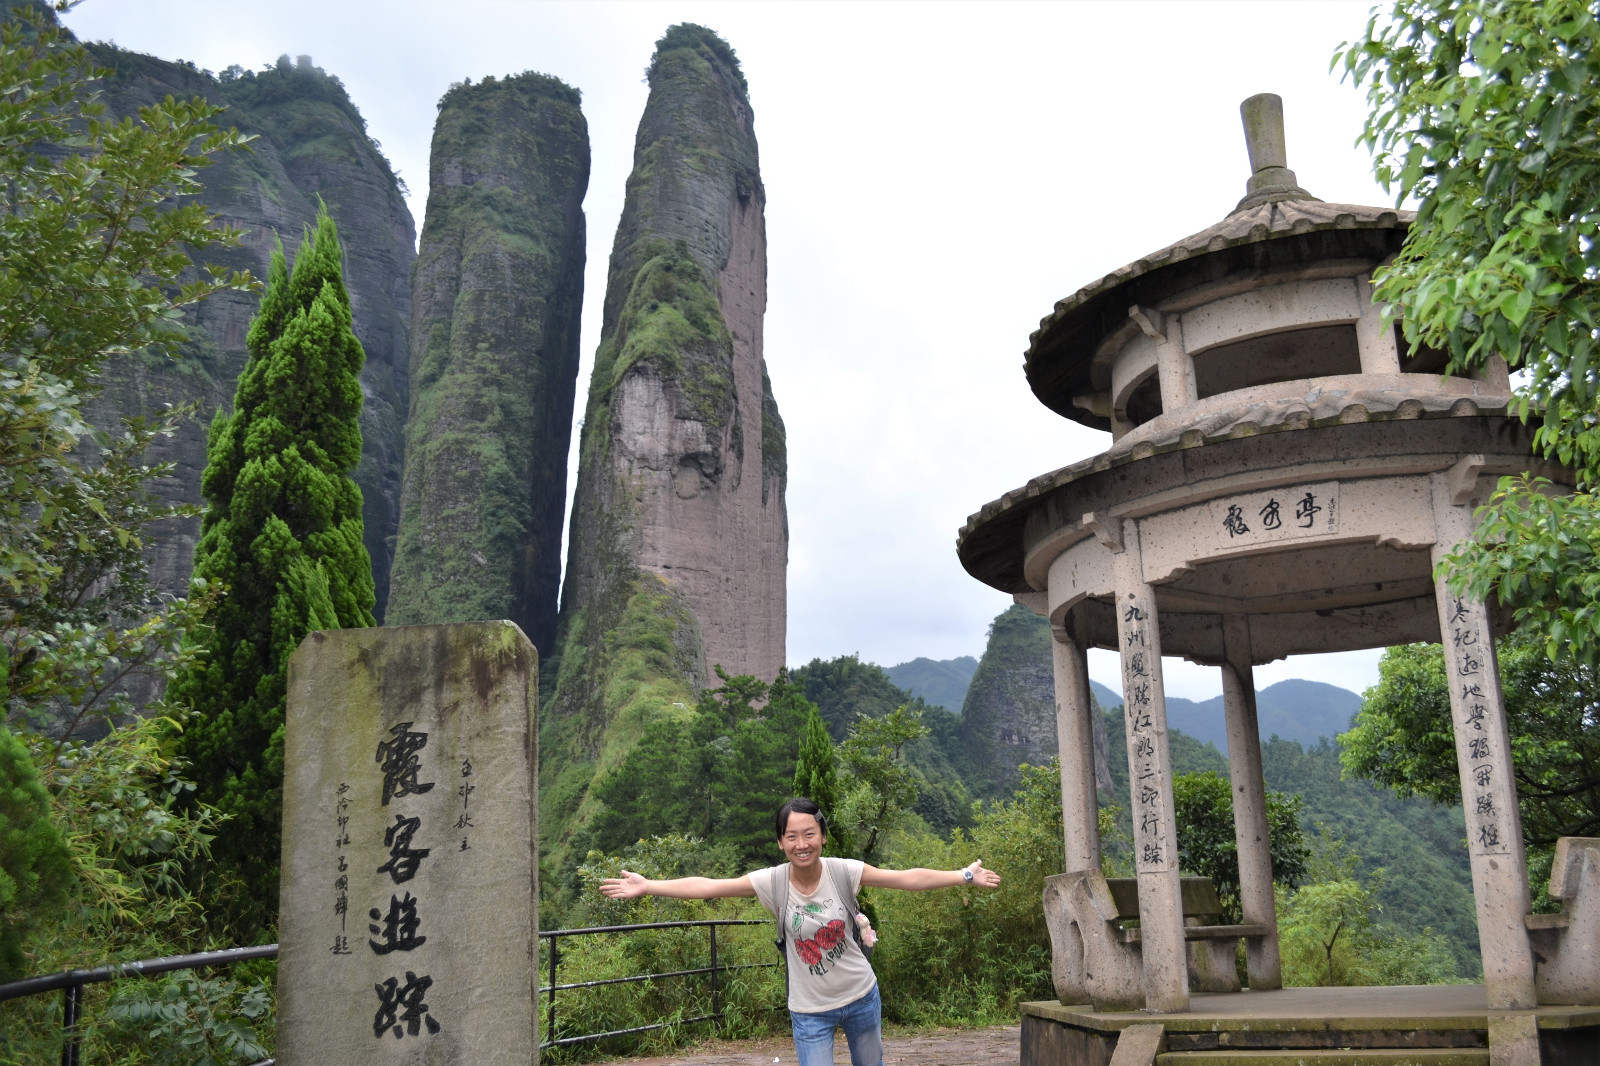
(388, 736)
(1154, 848)
(1481, 739)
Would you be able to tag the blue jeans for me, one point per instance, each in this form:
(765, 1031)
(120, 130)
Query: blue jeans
(862, 1022)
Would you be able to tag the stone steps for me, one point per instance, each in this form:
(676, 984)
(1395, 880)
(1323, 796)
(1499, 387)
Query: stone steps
(1328, 1057)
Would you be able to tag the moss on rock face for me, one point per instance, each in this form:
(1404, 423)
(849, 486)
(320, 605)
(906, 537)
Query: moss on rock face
(679, 537)
(311, 143)
(497, 292)
(672, 324)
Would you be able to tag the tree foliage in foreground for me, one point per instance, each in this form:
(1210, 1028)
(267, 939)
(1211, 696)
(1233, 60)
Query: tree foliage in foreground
(35, 865)
(1208, 845)
(96, 232)
(717, 774)
(1487, 112)
(283, 534)
(1403, 738)
(96, 239)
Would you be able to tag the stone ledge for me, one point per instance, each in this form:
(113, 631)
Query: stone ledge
(1405, 1007)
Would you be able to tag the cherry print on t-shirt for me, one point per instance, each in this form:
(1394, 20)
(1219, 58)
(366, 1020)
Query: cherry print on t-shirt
(830, 934)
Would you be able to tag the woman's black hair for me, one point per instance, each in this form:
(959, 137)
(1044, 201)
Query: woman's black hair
(800, 805)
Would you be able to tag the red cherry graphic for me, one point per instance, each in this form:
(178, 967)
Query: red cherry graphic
(809, 952)
(830, 934)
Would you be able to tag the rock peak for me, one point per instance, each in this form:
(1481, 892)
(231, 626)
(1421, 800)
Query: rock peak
(679, 539)
(706, 42)
(496, 295)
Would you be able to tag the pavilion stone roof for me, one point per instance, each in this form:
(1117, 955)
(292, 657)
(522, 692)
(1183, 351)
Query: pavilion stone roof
(989, 542)
(1062, 349)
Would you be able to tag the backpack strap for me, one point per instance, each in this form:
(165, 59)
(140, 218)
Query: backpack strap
(851, 908)
(780, 899)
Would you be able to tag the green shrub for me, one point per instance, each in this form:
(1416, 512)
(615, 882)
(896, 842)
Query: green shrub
(131, 844)
(752, 998)
(186, 1019)
(35, 871)
(1330, 930)
(967, 956)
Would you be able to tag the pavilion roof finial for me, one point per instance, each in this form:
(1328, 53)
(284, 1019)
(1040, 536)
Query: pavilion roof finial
(1271, 180)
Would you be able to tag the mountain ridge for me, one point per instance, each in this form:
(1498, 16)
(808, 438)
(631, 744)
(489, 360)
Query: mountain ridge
(1292, 709)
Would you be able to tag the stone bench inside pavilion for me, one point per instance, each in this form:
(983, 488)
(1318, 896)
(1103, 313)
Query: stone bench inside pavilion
(1211, 947)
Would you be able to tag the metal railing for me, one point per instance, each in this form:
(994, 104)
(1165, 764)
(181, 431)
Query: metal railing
(71, 983)
(715, 1017)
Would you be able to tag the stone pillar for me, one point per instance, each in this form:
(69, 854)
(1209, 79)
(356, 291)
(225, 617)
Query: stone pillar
(1488, 789)
(1495, 373)
(1374, 338)
(409, 907)
(1256, 902)
(1080, 808)
(1155, 831)
(1175, 368)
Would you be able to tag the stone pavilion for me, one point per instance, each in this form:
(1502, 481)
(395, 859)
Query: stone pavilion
(1282, 479)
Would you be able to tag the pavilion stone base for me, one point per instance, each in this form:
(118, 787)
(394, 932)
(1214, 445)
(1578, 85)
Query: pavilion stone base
(1440, 1025)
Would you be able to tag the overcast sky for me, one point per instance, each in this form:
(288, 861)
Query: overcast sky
(937, 175)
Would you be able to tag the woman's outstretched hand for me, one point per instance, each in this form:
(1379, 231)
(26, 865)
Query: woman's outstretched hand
(629, 886)
(984, 878)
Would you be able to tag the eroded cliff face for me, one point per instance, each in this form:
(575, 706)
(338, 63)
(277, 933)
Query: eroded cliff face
(1009, 717)
(311, 141)
(497, 294)
(678, 553)
(697, 446)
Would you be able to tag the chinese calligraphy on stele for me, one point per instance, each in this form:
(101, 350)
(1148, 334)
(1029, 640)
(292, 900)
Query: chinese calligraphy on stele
(402, 1009)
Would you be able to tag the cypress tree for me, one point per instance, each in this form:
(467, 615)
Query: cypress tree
(816, 777)
(283, 533)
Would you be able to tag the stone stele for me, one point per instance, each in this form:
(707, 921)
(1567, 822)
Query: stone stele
(408, 914)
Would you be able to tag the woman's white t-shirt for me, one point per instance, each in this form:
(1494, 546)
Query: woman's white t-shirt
(826, 967)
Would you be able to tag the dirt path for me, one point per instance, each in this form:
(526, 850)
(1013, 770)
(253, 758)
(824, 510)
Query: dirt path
(999, 1046)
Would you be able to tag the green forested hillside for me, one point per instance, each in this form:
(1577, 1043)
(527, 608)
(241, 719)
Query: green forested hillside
(846, 689)
(1420, 847)
(940, 682)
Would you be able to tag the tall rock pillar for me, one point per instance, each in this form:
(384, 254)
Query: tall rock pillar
(679, 544)
(497, 294)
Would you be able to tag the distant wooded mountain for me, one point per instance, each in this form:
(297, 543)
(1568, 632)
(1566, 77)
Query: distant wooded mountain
(940, 682)
(1304, 711)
